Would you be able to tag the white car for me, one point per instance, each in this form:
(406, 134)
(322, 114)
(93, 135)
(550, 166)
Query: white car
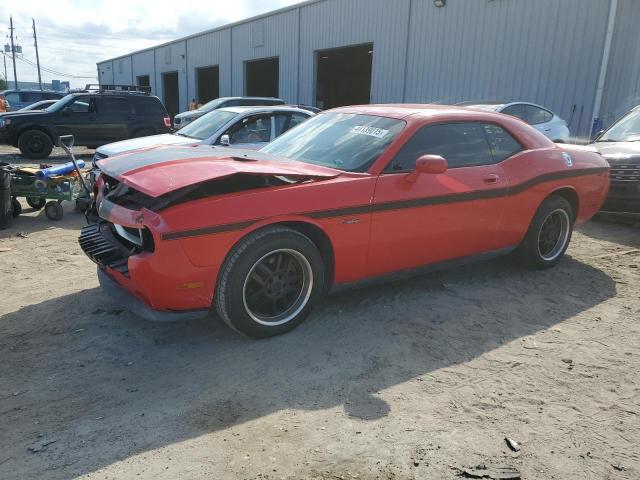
(185, 118)
(540, 118)
(239, 127)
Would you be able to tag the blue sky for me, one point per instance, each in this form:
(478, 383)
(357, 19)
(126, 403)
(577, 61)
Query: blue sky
(75, 34)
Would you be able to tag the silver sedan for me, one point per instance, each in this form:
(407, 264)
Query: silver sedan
(540, 118)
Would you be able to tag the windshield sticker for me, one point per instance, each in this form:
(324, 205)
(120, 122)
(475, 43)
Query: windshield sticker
(370, 131)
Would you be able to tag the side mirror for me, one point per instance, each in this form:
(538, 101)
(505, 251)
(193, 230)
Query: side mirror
(224, 140)
(432, 164)
(67, 111)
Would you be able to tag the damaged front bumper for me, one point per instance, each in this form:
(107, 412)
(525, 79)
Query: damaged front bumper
(130, 302)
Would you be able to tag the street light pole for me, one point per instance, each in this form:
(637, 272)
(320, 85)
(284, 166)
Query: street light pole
(13, 55)
(35, 39)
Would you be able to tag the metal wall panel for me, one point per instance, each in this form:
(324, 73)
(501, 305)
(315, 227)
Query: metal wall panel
(105, 73)
(172, 58)
(209, 50)
(143, 65)
(122, 71)
(622, 86)
(338, 23)
(272, 36)
(544, 51)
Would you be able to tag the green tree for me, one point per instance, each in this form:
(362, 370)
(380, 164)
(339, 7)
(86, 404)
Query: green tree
(3, 84)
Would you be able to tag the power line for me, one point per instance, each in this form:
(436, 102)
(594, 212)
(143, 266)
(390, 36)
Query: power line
(55, 72)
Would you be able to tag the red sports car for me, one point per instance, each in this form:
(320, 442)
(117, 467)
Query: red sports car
(353, 194)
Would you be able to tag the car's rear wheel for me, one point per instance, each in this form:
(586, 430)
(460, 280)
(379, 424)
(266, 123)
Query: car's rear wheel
(35, 144)
(549, 234)
(270, 282)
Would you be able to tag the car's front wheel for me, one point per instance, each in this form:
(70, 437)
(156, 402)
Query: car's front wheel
(549, 234)
(269, 282)
(35, 144)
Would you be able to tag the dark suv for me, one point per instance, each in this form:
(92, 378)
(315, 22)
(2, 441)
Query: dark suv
(620, 145)
(94, 116)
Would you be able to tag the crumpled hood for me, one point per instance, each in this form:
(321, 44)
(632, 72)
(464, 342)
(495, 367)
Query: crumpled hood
(161, 170)
(618, 150)
(115, 148)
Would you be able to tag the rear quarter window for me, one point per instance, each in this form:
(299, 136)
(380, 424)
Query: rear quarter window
(148, 106)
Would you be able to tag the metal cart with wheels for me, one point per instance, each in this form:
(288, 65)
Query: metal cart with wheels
(48, 193)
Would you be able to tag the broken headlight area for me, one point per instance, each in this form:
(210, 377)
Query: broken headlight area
(110, 245)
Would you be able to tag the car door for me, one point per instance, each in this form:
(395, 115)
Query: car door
(252, 132)
(114, 115)
(78, 118)
(446, 216)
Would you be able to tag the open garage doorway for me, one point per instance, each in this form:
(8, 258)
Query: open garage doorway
(343, 76)
(207, 84)
(170, 93)
(262, 77)
(143, 81)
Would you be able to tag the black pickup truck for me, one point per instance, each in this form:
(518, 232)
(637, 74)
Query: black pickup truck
(94, 116)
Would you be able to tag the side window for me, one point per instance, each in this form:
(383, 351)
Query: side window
(515, 111)
(461, 144)
(230, 103)
(255, 129)
(502, 144)
(146, 105)
(536, 116)
(114, 106)
(296, 119)
(80, 105)
(12, 97)
(51, 96)
(31, 97)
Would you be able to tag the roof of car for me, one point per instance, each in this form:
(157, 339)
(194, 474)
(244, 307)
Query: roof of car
(264, 108)
(400, 110)
(250, 98)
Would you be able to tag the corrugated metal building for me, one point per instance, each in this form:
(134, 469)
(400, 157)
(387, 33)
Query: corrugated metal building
(580, 58)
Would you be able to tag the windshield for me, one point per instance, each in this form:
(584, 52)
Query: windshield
(207, 125)
(345, 141)
(59, 104)
(627, 129)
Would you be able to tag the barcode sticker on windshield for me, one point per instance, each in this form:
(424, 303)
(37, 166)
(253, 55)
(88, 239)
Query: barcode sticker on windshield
(371, 131)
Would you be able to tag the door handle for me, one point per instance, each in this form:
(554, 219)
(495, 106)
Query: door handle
(491, 178)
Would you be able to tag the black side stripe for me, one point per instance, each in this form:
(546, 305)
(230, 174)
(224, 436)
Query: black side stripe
(401, 204)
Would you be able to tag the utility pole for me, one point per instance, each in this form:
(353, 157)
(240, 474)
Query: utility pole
(35, 39)
(13, 54)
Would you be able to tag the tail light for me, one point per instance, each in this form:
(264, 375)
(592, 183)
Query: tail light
(167, 121)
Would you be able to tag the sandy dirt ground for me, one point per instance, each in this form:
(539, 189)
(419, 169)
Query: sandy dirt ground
(410, 380)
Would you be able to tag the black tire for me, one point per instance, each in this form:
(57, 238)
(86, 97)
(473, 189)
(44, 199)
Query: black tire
(36, 202)
(35, 144)
(545, 248)
(16, 207)
(53, 210)
(240, 284)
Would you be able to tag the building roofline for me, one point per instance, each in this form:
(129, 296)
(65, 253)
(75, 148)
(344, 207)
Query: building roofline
(227, 26)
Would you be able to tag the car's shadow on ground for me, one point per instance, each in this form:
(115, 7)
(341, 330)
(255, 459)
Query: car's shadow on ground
(615, 229)
(105, 385)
